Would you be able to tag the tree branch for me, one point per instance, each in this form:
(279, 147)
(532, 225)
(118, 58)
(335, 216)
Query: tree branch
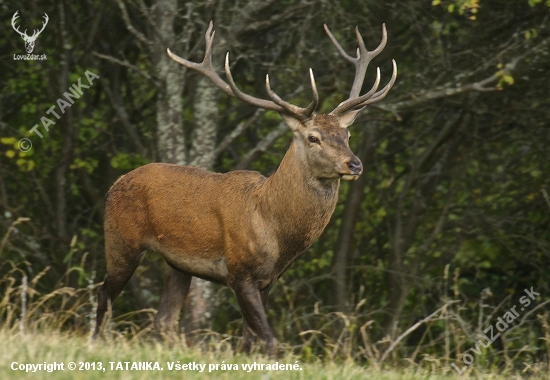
(414, 327)
(450, 90)
(118, 105)
(262, 145)
(140, 36)
(243, 126)
(125, 63)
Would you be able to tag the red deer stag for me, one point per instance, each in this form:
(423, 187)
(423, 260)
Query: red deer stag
(240, 228)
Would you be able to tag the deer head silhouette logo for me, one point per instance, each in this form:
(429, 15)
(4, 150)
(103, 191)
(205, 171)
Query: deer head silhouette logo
(29, 40)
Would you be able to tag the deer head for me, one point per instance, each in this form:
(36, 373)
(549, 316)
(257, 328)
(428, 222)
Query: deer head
(320, 140)
(29, 40)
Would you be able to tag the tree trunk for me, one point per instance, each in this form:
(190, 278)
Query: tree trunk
(205, 107)
(68, 133)
(170, 137)
(199, 305)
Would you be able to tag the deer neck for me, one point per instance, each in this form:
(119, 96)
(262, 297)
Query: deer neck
(297, 204)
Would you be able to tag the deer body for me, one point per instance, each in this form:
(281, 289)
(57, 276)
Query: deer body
(265, 223)
(240, 228)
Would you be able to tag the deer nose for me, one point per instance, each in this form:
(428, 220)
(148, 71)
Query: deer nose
(355, 166)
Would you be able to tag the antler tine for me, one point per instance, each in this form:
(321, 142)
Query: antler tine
(209, 40)
(15, 27)
(361, 62)
(383, 92)
(37, 32)
(340, 49)
(205, 67)
(354, 102)
(262, 103)
(301, 113)
(382, 43)
(291, 108)
(44, 23)
(313, 105)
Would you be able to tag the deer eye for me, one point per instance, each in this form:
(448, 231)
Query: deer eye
(313, 139)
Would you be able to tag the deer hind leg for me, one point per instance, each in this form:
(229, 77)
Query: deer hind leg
(122, 262)
(174, 291)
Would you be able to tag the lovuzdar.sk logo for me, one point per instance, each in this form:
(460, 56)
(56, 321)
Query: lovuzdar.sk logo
(29, 40)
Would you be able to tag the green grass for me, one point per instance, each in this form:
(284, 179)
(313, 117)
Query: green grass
(36, 348)
(50, 347)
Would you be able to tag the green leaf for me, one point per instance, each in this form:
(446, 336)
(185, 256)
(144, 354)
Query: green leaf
(508, 78)
(382, 146)
(30, 166)
(89, 164)
(381, 212)
(531, 33)
(536, 173)
(8, 140)
(25, 165)
(127, 162)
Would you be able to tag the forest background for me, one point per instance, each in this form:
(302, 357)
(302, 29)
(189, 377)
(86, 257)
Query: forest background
(450, 216)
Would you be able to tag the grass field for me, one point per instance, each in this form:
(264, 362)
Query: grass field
(43, 331)
(109, 359)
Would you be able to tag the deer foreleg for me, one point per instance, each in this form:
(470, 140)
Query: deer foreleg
(248, 333)
(252, 307)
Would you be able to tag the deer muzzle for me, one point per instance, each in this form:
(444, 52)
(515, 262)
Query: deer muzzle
(354, 169)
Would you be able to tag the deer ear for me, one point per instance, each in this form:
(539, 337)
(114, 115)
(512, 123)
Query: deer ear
(294, 124)
(348, 118)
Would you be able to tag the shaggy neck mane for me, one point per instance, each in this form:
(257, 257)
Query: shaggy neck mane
(299, 204)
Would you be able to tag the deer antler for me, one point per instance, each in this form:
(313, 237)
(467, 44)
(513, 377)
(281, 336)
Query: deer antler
(35, 34)
(16, 28)
(361, 62)
(276, 104)
(44, 23)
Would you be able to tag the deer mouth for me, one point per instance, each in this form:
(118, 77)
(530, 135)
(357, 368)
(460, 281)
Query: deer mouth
(349, 177)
